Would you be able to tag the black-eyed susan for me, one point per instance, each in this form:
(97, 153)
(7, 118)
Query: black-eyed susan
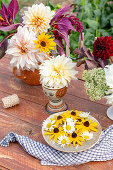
(87, 125)
(72, 113)
(63, 140)
(55, 133)
(45, 43)
(59, 120)
(76, 138)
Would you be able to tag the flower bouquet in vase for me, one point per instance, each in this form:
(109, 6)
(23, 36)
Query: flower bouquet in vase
(98, 74)
(38, 36)
(56, 74)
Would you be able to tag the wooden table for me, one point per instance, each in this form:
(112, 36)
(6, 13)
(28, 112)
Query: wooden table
(26, 119)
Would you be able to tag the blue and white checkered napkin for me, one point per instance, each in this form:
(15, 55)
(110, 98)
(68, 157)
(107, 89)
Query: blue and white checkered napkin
(102, 151)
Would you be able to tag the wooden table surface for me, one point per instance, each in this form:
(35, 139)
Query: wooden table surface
(26, 119)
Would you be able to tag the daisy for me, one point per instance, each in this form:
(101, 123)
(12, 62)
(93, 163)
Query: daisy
(70, 120)
(21, 50)
(87, 126)
(38, 17)
(63, 140)
(55, 133)
(57, 72)
(87, 135)
(76, 138)
(45, 43)
(48, 124)
(69, 127)
(84, 114)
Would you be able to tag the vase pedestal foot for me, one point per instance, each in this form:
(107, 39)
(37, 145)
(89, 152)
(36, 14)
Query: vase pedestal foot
(52, 107)
(110, 112)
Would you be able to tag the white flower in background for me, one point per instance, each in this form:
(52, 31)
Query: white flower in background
(84, 114)
(21, 50)
(87, 135)
(109, 80)
(57, 72)
(37, 18)
(69, 127)
(109, 75)
(48, 124)
(63, 140)
(109, 99)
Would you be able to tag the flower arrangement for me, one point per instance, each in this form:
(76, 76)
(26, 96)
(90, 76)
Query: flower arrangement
(102, 53)
(40, 30)
(99, 69)
(57, 72)
(70, 128)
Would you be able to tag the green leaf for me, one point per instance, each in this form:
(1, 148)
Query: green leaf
(111, 22)
(97, 12)
(92, 23)
(103, 32)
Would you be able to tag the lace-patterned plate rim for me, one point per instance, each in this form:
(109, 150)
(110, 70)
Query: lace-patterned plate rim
(86, 145)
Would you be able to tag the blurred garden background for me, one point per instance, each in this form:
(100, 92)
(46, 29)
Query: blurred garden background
(96, 16)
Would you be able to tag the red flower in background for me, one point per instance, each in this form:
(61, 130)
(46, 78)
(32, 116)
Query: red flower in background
(103, 48)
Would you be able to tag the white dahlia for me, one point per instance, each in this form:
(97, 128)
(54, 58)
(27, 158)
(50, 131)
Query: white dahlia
(109, 99)
(109, 75)
(57, 72)
(21, 50)
(109, 80)
(38, 17)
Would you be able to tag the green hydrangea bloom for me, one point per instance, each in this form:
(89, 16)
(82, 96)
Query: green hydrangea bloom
(95, 83)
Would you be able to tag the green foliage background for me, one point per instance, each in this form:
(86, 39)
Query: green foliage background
(96, 16)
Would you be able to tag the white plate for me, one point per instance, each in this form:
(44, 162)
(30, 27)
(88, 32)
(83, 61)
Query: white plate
(71, 148)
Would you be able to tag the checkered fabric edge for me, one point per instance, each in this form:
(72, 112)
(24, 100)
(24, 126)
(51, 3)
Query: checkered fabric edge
(102, 151)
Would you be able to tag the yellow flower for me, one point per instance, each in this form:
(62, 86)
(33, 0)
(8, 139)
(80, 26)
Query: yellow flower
(59, 119)
(87, 126)
(55, 133)
(76, 138)
(45, 43)
(1, 18)
(72, 113)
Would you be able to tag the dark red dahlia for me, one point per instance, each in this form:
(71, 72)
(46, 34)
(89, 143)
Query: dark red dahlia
(103, 48)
